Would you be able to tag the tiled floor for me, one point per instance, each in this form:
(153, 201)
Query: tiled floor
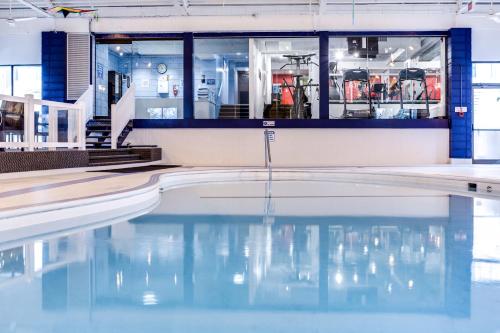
(54, 186)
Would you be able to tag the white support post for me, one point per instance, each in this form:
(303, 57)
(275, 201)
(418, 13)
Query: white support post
(53, 125)
(81, 126)
(29, 122)
(114, 134)
(72, 123)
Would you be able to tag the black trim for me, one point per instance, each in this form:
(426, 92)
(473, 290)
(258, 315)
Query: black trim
(291, 123)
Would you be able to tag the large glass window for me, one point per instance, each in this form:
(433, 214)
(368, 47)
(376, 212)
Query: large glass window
(28, 80)
(486, 73)
(285, 75)
(486, 79)
(256, 78)
(5, 80)
(387, 77)
(221, 78)
(155, 67)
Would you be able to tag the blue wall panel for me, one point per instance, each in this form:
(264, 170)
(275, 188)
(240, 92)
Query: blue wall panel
(460, 92)
(54, 66)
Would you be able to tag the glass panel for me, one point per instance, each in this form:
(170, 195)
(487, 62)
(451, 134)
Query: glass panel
(285, 75)
(28, 80)
(486, 145)
(156, 68)
(486, 108)
(387, 77)
(486, 73)
(5, 80)
(221, 78)
(158, 73)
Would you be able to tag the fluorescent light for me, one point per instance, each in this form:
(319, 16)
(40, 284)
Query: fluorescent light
(149, 298)
(238, 279)
(339, 278)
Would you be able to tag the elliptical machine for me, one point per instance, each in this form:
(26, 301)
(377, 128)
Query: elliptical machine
(301, 108)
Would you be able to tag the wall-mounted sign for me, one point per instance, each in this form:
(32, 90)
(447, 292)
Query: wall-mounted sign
(460, 109)
(211, 82)
(163, 84)
(100, 71)
(269, 123)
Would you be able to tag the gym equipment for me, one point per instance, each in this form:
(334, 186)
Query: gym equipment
(334, 87)
(301, 108)
(363, 77)
(418, 75)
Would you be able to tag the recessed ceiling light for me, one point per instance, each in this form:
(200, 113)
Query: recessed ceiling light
(118, 48)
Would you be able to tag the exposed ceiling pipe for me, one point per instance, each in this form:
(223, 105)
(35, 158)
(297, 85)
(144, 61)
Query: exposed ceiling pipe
(35, 8)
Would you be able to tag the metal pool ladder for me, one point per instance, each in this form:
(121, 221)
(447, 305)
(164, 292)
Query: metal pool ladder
(267, 151)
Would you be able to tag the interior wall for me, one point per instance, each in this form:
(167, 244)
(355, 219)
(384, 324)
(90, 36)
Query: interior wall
(298, 147)
(21, 49)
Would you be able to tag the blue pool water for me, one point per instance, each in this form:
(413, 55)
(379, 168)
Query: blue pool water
(331, 257)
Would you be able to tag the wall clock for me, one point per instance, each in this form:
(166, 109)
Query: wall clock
(162, 68)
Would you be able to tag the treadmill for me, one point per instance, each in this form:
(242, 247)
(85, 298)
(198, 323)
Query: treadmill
(363, 77)
(418, 75)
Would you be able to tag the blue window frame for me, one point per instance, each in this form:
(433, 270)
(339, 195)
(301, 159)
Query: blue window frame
(322, 122)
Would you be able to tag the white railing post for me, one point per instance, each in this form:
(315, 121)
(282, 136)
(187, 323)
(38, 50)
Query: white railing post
(29, 122)
(53, 125)
(81, 126)
(72, 123)
(114, 134)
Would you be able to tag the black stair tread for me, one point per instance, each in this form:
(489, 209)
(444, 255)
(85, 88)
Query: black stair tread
(98, 136)
(116, 156)
(117, 162)
(98, 130)
(140, 146)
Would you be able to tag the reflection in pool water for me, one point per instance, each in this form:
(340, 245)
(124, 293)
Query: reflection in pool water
(246, 273)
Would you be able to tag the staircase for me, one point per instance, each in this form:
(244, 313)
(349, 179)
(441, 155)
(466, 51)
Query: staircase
(105, 157)
(277, 111)
(99, 133)
(236, 111)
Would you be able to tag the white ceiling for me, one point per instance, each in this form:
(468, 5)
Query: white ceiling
(142, 8)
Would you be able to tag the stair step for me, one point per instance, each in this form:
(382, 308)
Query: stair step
(109, 151)
(115, 156)
(116, 162)
(98, 136)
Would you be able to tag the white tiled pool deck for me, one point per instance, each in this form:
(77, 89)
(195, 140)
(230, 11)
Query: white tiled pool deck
(40, 188)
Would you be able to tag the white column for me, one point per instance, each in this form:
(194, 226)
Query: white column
(53, 124)
(29, 122)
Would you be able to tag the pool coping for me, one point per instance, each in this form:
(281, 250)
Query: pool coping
(162, 181)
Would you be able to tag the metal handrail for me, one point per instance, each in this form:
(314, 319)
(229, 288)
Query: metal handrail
(267, 150)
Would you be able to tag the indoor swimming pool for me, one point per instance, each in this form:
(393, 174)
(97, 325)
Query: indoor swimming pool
(226, 257)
